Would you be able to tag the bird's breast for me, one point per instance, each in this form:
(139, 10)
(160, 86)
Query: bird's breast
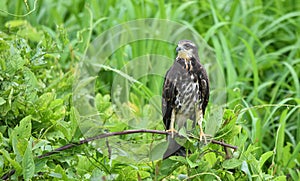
(187, 94)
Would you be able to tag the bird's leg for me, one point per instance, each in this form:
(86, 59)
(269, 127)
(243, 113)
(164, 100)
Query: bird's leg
(172, 124)
(199, 118)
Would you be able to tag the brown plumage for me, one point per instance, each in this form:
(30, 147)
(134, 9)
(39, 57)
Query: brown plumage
(185, 94)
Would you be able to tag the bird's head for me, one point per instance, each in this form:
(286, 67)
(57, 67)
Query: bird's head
(187, 50)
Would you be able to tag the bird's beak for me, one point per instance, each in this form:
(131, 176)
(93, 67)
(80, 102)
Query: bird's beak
(178, 49)
(182, 53)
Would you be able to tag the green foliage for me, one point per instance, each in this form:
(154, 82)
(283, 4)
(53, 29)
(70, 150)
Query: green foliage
(256, 44)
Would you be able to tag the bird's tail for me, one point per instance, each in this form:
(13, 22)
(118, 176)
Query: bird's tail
(174, 149)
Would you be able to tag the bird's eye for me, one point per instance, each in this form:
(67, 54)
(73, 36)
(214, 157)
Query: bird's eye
(187, 46)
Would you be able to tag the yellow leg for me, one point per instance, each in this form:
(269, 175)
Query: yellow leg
(199, 117)
(172, 124)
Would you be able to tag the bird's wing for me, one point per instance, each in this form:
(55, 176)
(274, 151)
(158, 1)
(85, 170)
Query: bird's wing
(168, 97)
(204, 87)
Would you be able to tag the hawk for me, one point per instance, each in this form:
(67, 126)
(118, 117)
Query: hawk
(185, 94)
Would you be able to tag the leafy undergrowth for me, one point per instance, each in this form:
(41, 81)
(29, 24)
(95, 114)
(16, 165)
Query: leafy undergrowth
(255, 42)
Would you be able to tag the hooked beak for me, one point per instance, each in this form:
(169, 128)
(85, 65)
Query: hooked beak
(178, 49)
(182, 53)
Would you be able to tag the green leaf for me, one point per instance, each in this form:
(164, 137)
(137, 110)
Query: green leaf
(158, 151)
(2, 101)
(58, 108)
(13, 162)
(264, 157)
(280, 178)
(191, 164)
(15, 23)
(245, 169)
(294, 174)
(60, 171)
(3, 6)
(231, 163)
(210, 158)
(280, 136)
(24, 129)
(20, 136)
(30, 79)
(287, 154)
(167, 167)
(228, 129)
(28, 163)
(63, 127)
(294, 155)
(15, 63)
(102, 102)
(44, 100)
(29, 32)
(74, 117)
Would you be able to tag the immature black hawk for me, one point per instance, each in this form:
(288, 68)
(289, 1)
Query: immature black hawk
(185, 94)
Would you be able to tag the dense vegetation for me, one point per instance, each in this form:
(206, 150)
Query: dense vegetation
(256, 45)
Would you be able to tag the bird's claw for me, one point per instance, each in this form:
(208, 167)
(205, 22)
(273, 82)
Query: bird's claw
(204, 137)
(172, 131)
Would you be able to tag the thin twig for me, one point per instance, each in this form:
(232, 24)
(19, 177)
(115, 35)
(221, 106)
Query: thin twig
(224, 144)
(105, 135)
(21, 15)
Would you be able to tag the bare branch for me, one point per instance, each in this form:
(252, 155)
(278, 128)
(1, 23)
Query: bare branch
(105, 135)
(224, 144)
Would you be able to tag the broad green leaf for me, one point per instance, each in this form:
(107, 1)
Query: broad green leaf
(211, 158)
(2, 101)
(231, 163)
(158, 151)
(20, 136)
(56, 104)
(44, 100)
(28, 163)
(167, 167)
(24, 128)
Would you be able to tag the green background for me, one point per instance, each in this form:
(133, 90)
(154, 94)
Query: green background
(256, 44)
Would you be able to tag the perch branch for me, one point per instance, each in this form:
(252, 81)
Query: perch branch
(105, 135)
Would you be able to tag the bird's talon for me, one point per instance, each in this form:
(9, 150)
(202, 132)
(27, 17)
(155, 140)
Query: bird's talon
(172, 131)
(203, 136)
